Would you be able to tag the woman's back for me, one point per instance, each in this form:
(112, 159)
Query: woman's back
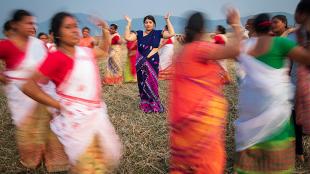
(195, 76)
(276, 53)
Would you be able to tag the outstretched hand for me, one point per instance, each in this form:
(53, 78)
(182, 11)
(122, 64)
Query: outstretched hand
(233, 16)
(167, 16)
(127, 18)
(99, 22)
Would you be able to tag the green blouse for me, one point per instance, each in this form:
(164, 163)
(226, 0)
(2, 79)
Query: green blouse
(278, 51)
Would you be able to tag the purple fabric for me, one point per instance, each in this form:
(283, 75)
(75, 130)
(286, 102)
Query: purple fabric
(147, 72)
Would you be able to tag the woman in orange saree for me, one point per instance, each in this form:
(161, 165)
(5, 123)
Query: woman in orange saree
(197, 105)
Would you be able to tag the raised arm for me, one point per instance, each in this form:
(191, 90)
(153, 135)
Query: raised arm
(170, 32)
(232, 49)
(129, 36)
(103, 49)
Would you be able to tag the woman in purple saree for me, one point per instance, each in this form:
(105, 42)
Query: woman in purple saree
(147, 63)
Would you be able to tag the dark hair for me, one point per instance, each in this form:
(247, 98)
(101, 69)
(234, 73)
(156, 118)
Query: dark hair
(149, 17)
(56, 23)
(133, 31)
(19, 14)
(303, 7)
(250, 22)
(221, 29)
(282, 18)
(114, 26)
(7, 26)
(195, 25)
(42, 34)
(50, 32)
(85, 28)
(262, 23)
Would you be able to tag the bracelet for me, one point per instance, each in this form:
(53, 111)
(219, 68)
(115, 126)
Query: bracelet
(236, 25)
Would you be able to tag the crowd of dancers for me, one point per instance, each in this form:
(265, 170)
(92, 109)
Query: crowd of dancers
(53, 88)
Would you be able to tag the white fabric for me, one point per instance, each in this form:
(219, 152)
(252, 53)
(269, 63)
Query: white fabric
(21, 105)
(165, 56)
(246, 44)
(264, 101)
(34, 56)
(84, 115)
(51, 47)
(115, 48)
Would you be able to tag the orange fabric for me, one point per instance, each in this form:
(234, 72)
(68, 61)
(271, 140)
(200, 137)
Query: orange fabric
(195, 78)
(165, 74)
(197, 113)
(112, 80)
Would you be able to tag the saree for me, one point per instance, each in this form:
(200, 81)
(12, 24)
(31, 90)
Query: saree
(264, 137)
(130, 74)
(114, 70)
(147, 72)
(35, 140)
(83, 126)
(165, 64)
(197, 115)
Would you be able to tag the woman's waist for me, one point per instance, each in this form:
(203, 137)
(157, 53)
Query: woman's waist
(200, 85)
(204, 113)
(204, 103)
(81, 100)
(143, 52)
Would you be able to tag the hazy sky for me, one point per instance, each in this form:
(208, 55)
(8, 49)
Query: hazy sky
(116, 9)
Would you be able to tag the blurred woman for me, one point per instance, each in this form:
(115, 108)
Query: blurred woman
(82, 124)
(166, 52)
(265, 138)
(198, 108)
(87, 40)
(220, 38)
(22, 55)
(147, 63)
(130, 74)
(279, 26)
(300, 75)
(7, 29)
(114, 71)
(43, 37)
(51, 46)
(250, 32)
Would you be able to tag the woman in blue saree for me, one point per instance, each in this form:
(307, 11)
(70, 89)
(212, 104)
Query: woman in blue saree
(147, 63)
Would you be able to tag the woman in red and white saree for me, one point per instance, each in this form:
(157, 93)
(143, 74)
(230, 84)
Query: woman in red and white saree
(82, 124)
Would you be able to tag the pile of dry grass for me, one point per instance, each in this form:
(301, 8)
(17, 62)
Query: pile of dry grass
(145, 136)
